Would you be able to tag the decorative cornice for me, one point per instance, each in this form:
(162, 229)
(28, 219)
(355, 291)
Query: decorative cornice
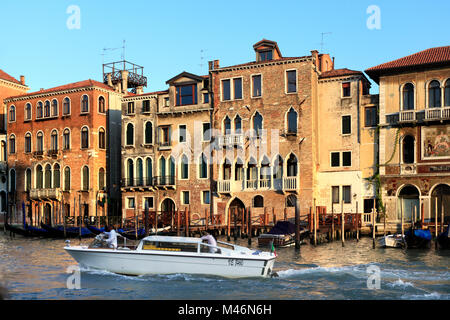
(263, 64)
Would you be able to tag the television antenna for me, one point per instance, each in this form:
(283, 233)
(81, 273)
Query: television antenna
(114, 49)
(322, 42)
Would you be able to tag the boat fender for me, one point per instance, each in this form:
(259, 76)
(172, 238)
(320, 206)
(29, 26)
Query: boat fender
(67, 243)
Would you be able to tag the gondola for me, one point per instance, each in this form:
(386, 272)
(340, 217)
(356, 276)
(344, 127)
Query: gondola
(95, 230)
(418, 238)
(71, 232)
(444, 239)
(17, 230)
(281, 235)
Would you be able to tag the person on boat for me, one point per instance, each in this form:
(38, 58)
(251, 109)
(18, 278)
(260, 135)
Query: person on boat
(211, 241)
(112, 237)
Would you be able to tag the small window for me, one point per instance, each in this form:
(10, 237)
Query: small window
(101, 138)
(408, 97)
(12, 144)
(226, 90)
(148, 137)
(101, 105)
(66, 106)
(166, 101)
(206, 131)
(346, 125)
(182, 133)
(258, 124)
(265, 55)
(347, 159)
(66, 179)
(335, 194)
(206, 97)
(205, 197)
(185, 197)
(258, 202)
(28, 111)
(408, 149)
(371, 117)
(66, 139)
(291, 76)
(12, 114)
(256, 85)
(28, 143)
(47, 109)
(85, 181)
(346, 89)
(148, 202)
(164, 136)
(203, 167)
(85, 104)
(130, 107)
(130, 203)
(237, 85)
(186, 95)
(130, 134)
(54, 140)
(434, 94)
(146, 106)
(346, 194)
(368, 205)
(39, 110)
(292, 121)
(84, 138)
(54, 108)
(335, 159)
(40, 142)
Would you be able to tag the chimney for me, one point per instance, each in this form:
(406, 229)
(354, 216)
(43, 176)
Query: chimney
(140, 90)
(108, 76)
(216, 64)
(315, 55)
(124, 75)
(210, 65)
(22, 80)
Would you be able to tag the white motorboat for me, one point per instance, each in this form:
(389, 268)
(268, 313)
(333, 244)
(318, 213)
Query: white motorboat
(392, 241)
(171, 255)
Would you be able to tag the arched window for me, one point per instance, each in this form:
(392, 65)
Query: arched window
(184, 167)
(171, 177)
(258, 202)
(54, 108)
(28, 179)
(292, 168)
(447, 93)
(408, 149)
(28, 111)
(101, 179)
(40, 142)
(47, 109)
(56, 176)
(66, 139)
(252, 170)
(434, 94)
(101, 105)
(130, 172)
(84, 137)
(239, 170)
(264, 172)
(258, 124)
(3, 201)
(27, 142)
(408, 97)
(130, 134)
(291, 201)
(54, 140)
(226, 174)
(162, 168)
(203, 167)
(148, 133)
(12, 180)
(12, 114)
(227, 125)
(237, 124)
(85, 181)
(149, 171)
(66, 179)
(12, 144)
(292, 121)
(66, 106)
(3, 151)
(85, 103)
(39, 110)
(39, 177)
(48, 176)
(101, 138)
(139, 172)
(278, 168)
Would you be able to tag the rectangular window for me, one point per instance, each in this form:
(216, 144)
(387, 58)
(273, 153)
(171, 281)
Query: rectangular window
(265, 55)
(182, 130)
(347, 159)
(370, 119)
(226, 90)
(164, 136)
(146, 106)
(335, 161)
(291, 76)
(185, 197)
(206, 131)
(237, 85)
(256, 86)
(148, 201)
(130, 109)
(368, 205)
(346, 125)
(347, 194)
(166, 101)
(130, 203)
(346, 89)
(335, 194)
(186, 94)
(206, 98)
(205, 197)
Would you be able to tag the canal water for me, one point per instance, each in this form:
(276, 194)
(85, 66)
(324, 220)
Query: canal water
(37, 269)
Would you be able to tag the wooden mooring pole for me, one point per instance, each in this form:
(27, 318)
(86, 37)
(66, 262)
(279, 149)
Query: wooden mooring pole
(249, 223)
(436, 219)
(315, 221)
(401, 217)
(357, 222)
(373, 228)
(186, 218)
(235, 224)
(297, 225)
(342, 223)
(332, 222)
(442, 214)
(178, 222)
(228, 224)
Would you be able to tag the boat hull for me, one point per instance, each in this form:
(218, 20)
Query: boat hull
(130, 262)
(392, 241)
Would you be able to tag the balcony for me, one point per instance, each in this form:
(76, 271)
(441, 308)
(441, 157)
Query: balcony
(164, 145)
(407, 116)
(290, 184)
(224, 186)
(437, 114)
(49, 194)
(144, 182)
(231, 140)
(265, 184)
(164, 182)
(285, 184)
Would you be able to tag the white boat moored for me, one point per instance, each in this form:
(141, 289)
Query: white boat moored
(170, 255)
(392, 241)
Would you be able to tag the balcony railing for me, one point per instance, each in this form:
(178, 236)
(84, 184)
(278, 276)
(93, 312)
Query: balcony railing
(164, 181)
(437, 113)
(229, 140)
(251, 184)
(407, 116)
(137, 182)
(49, 193)
(264, 184)
(281, 184)
(290, 183)
(224, 186)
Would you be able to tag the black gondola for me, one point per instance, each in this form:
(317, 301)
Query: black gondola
(444, 239)
(418, 238)
(71, 232)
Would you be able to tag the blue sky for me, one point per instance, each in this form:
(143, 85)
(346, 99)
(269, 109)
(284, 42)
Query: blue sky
(168, 37)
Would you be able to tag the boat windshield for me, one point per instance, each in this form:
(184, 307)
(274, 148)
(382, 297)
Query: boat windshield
(170, 246)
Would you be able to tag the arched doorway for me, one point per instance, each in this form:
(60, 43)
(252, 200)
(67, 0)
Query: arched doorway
(441, 196)
(408, 202)
(236, 207)
(48, 214)
(168, 206)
